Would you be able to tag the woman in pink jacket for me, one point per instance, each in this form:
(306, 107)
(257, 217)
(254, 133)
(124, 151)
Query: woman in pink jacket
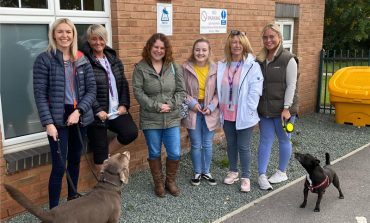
(200, 80)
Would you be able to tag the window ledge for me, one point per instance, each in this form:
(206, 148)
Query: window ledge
(27, 159)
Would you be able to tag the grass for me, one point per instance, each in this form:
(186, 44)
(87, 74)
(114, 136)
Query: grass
(325, 99)
(222, 163)
(330, 66)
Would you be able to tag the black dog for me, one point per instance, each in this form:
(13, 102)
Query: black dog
(318, 178)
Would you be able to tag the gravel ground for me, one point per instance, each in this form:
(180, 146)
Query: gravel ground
(315, 133)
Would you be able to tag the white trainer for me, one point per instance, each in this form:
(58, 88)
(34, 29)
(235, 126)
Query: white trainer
(264, 183)
(231, 177)
(245, 185)
(278, 177)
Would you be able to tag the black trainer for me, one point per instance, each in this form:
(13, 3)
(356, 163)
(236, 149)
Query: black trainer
(196, 179)
(209, 178)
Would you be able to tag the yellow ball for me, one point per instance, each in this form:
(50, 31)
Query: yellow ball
(289, 127)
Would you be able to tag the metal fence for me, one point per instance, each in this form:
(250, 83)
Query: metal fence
(330, 62)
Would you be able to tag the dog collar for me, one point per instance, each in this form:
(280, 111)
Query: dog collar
(104, 179)
(324, 183)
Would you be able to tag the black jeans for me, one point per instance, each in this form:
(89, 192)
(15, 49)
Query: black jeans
(71, 149)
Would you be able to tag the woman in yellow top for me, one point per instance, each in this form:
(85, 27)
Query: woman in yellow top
(200, 81)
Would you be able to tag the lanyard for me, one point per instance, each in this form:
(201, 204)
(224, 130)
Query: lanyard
(231, 80)
(108, 70)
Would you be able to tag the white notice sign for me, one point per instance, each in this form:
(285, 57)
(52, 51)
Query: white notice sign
(213, 21)
(164, 18)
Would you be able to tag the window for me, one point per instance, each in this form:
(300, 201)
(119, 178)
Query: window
(91, 5)
(43, 4)
(24, 29)
(286, 29)
(20, 45)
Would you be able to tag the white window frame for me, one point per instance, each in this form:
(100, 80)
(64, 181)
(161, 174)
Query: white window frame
(45, 16)
(70, 13)
(88, 20)
(281, 23)
(31, 140)
(28, 11)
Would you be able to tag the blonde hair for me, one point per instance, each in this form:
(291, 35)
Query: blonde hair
(247, 48)
(263, 53)
(52, 47)
(99, 30)
(201, 40)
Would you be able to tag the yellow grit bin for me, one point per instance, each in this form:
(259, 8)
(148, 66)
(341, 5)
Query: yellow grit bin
(349, 91)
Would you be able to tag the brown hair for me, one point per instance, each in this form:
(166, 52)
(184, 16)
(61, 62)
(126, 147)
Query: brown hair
(149, 44)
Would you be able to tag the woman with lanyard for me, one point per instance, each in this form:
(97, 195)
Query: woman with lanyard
(112, 99)
(239, 86)
(64, 90)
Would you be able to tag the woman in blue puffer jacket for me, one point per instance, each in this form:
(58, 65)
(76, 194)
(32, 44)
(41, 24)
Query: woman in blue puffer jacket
(64, 90)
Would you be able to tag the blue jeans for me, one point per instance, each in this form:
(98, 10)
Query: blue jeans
(169, 137)
(238, 144)
(71, 149)
(201, 145)
(269, 127)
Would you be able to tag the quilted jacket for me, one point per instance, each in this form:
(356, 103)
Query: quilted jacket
(49, 87)
(102, 96)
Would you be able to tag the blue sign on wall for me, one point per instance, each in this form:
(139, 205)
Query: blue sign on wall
(223, 17)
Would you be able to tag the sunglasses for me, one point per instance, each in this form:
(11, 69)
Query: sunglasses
(236, 33)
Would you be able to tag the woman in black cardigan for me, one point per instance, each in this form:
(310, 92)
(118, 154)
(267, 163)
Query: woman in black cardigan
(112, 98)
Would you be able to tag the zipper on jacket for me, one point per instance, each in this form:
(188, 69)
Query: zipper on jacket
(64, 94)
(244, 78)
(77, 91)
(266, 96)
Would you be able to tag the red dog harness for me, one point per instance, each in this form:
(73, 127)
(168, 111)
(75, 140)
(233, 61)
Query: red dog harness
(323, 184)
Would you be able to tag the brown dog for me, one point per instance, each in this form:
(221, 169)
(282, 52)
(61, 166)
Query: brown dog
(102, 204)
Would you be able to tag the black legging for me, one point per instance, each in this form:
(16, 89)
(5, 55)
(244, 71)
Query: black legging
(123, 125)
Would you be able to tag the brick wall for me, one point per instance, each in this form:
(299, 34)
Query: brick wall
(132, 24)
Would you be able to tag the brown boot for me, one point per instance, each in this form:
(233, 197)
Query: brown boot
(156, 169)
(171, 171)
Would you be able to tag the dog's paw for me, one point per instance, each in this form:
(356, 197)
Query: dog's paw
(341, 197)
(303, 205)
(316, 210)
